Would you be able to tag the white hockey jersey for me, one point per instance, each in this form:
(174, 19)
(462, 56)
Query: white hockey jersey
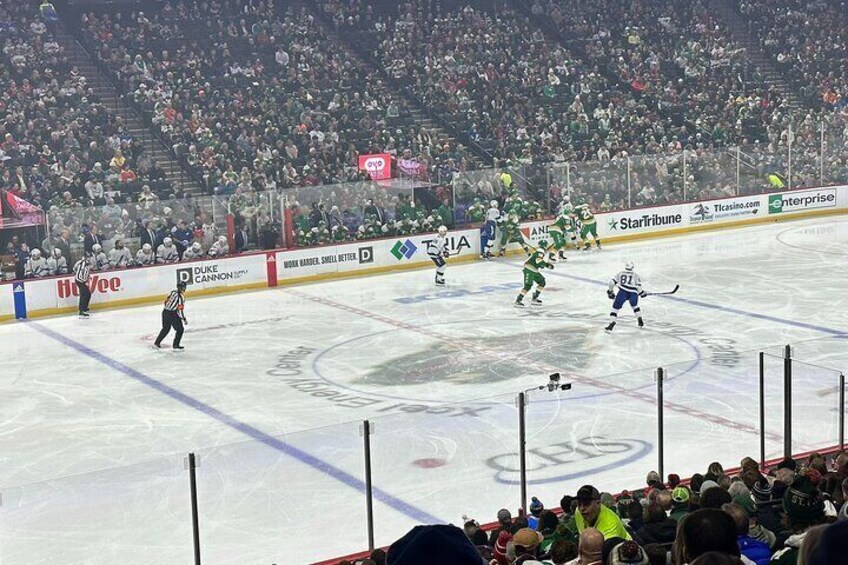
(36, 268)
(627, 280)
(120, 258)
(167, 254)
(57, 266)
(437, 247)
(219, 249)
(100, 262)
(143, 259)
(190, 255)
(493, 215)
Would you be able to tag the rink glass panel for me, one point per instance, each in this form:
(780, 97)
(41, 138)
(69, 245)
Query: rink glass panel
(258, 499)
(603, 431)
(447, 460)
(135, 514)
(711, 413)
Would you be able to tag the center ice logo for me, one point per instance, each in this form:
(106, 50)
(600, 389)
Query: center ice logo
(469, 360)
(404, 249)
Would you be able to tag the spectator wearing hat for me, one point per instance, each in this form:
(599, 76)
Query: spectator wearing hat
(536, 508)
(501, 546)
(424, 545)
(755, 529)
(654, 480)
(703, 531)
(592, 514)
(713, 496)
(673, 481)
(804, 508)
(755, 550)
(525, 544)
(679, 503)
(504, 524)
(627, 552)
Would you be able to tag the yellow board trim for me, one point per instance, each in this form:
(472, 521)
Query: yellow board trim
(417, 265)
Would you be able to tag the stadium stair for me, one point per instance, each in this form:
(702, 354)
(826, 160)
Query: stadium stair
(111, 98)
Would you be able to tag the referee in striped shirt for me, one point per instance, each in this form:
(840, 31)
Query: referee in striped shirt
(82, 274)
(173, 316)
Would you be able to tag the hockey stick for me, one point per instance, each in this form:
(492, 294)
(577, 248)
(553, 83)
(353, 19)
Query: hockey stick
(672, 291)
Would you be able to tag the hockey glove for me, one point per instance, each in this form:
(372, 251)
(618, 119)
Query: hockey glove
(610, 294)
(643, 294)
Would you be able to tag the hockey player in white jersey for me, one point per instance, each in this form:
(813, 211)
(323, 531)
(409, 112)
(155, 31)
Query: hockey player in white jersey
(99, 261)
(145, 256)
(36, 265)
(120, 257)
(167, 252)
(219, 248)
(195, 251)
(629, 290)
(56, 263)
(437, 249)
(487, 230)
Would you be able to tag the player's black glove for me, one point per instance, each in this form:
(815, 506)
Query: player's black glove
(610, 294)
(446, 253)
(643, 294)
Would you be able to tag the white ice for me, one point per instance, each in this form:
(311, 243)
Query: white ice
(273, 387)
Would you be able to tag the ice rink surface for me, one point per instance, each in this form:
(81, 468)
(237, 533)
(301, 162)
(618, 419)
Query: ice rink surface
(273, 387)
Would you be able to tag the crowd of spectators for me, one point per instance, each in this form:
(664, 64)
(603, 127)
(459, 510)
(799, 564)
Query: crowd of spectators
(259, 97)
(60, 145)
(806, 40)
(796, 514)
(640, 82)
(625, 105)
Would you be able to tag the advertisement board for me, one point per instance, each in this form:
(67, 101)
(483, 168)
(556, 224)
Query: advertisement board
(797, 201)
(378, 165)
(149, 284)
(374, 254)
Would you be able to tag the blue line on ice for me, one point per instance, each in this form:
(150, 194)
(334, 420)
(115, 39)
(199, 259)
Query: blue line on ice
(416, 514)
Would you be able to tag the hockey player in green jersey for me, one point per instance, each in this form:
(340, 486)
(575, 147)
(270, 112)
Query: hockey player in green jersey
(588, 226)
(561, 229)
(511, 231)
(536, 261)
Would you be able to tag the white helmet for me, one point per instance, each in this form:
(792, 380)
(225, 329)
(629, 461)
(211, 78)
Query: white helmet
(628, 266)
(222, 239)
(146, 248)
(57, 252)
(35, 253)
(493, 204)
(97, 248)
(167, 241)
(443, 231)
(196, 246)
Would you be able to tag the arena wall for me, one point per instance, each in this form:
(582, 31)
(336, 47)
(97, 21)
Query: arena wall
(129, 287)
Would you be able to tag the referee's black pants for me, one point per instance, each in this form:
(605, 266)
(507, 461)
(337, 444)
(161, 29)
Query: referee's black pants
(171, 320)
(85, 296)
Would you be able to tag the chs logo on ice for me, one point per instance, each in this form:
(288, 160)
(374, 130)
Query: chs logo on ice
(98, 285)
